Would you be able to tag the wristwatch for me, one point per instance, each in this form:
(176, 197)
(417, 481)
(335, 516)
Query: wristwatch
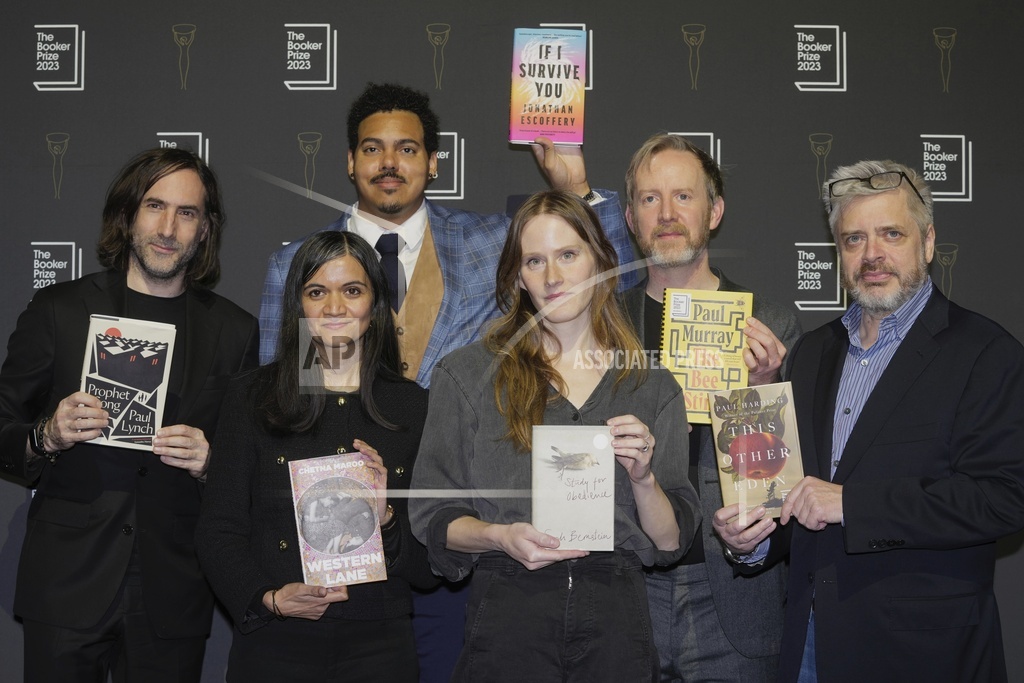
(36, 440)
(591, 197)
(733, 557)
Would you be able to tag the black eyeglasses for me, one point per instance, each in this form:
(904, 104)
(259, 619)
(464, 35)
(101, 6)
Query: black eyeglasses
(887, 180)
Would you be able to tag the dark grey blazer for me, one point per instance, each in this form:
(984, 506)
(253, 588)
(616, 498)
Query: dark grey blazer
(749, 607)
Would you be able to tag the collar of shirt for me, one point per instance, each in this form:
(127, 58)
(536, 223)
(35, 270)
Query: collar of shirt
(863, 368)
(894, 327)
(411, 232)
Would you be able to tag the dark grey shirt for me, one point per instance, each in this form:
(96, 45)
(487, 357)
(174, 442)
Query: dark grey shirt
(465, 454)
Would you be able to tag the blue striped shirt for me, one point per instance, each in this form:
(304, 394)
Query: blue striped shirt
(864, 367)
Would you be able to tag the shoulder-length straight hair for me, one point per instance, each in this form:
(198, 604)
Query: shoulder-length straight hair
(285, 405)
(125, 195)
(525, 372)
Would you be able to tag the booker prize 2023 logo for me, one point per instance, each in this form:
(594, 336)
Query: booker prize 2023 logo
(817, 277)
(311, 57)
(54, 262)
(820, 58)
(60, 57)
(947, 166)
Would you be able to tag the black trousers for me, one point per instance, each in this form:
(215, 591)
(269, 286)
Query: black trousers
(297, 650)
(123, 644)
(576, 621)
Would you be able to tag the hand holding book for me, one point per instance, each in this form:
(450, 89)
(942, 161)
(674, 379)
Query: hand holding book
(763, 354)
(741, 532)
(562, 165)
(303, 601)
(184, 447)
(78, 417)
(380, 480)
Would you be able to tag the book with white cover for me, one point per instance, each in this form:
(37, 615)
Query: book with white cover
(574, 486)
(127, 366)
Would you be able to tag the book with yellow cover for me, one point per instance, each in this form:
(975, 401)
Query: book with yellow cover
(549, 78)
(702, 344)
(757, 445)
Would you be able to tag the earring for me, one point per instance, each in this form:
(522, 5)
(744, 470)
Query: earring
(433, 176)
(351, 176)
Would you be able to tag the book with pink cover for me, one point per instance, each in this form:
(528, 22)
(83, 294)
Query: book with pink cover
(336, 517)
(549, 77)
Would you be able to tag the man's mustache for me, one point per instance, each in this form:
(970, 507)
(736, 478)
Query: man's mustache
(387, 174)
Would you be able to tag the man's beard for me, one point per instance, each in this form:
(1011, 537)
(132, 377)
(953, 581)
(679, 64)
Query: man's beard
(151, 268)
(882, 304)
(669, 255)
(389, 208)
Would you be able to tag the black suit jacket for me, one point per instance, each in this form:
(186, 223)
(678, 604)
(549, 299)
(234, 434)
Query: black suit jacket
(94, 504)
(932, 475)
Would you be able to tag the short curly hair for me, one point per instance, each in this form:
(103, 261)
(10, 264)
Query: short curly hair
(391, 97)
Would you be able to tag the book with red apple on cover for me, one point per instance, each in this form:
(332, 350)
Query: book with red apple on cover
(757, 445)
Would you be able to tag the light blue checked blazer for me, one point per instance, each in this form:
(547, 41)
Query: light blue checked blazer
(468, 246)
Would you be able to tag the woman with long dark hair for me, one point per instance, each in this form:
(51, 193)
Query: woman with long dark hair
(558, 614)
(335, 386)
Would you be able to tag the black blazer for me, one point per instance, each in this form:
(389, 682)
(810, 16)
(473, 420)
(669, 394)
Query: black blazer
(932, 475)
(94, 504)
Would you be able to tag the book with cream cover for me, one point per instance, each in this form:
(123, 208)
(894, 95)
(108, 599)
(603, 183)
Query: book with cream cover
(574, 486)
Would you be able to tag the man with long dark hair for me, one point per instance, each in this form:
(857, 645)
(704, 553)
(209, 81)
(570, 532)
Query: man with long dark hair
(109, 579)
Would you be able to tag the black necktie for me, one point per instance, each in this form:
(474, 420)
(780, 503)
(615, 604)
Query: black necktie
(388, 247)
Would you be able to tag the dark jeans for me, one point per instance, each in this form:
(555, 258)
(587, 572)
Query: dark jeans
(575, 621)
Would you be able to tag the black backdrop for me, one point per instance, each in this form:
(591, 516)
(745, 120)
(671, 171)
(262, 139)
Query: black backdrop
(779, 92)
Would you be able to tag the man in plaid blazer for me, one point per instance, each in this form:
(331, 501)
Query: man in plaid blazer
(393, 140)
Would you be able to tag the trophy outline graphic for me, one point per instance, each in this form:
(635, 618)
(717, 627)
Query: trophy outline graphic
(309, 145)
(438, 35)
(57, 146)
(202, 146)
(838, 302)
(76, 255)
(714, 145)
(184, 35)
(590, 49)
(78, 82)
(821, 145)
(693, 36)
(945, 39)
(945, 256)
(839, 84)
(458, 189)
(330, 80)
(966, 191)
